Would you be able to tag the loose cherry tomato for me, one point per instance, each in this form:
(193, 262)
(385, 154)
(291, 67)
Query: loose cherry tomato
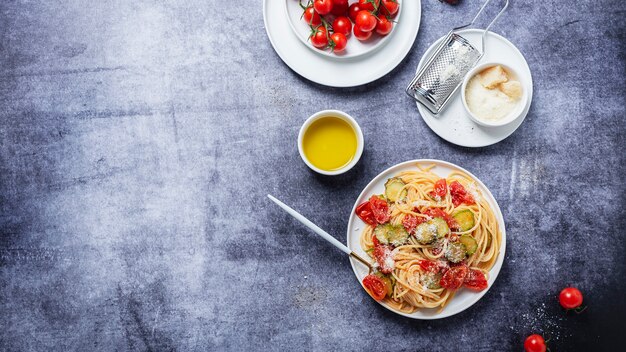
(383, 26)
(364, 211)
(323, 7)
(319, 39)
(453, 278)
(460, 195)
(359, 34)
(380, 209)
(476, 280)
(571, 298)
(342, 25)
(311, 17)
(441, 187)
(535, 343)
(339, 42)
(383, 257)
(365, 21)
(375, 286)
(353, 10)
(411, 221)
(438, 213)
(369, 5)
(340, 8)
(389, 7)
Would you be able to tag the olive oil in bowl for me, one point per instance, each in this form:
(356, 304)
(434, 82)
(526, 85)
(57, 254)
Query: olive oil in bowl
(329, 142)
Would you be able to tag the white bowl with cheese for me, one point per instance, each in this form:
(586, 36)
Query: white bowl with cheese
(494, 94)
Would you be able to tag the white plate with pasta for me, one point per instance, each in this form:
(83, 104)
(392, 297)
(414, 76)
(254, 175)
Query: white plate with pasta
(436, 235)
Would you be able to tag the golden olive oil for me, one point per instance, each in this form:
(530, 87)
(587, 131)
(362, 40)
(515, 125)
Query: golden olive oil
(330, 143)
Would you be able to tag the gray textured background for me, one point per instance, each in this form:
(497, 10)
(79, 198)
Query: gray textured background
(133, 170)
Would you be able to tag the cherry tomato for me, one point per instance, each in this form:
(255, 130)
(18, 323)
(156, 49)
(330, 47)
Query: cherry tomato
(438, 213)
(353, 10)
(375, 241)
(369, 5)
(359, 34)
(571, 298)
(453, 278)
(441, 187)
(535, 343)
(375, 286)
(459, 194)
(383, 257)
(340, 42)
(380, 209)
(319, 39)
(433, 266)
(365, 21)
(311, 17)
(342, 25)
(476, 280)
(364, 211)
(383, 26)
(411, 221)
(340, 8)
(389, 7)
(323, 7)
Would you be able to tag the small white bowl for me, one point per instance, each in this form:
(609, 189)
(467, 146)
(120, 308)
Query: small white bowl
(513, 115)
(339, 114)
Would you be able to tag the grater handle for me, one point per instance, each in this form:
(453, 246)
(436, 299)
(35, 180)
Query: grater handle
(506, 4)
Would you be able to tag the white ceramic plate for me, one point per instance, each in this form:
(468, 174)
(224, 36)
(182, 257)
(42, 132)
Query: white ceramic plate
(355, 48)
(349, 72)
(464, 298)
(453, 124)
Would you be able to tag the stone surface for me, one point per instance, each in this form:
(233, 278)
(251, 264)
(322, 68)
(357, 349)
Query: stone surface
(134, 168)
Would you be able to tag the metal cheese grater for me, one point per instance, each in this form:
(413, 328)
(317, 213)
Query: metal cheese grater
(443, 73)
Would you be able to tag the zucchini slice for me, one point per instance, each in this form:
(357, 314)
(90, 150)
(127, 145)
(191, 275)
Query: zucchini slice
(470, 244)
(465, 218)
(442, 226)
(394, 189)
(397, 236)
(389, 234)
(426, 232)
(431, 281)
(456, 252)
(381, 233)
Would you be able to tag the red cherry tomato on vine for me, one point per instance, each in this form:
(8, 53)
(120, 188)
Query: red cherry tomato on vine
(571, 298)
(359, 34)
(340, 8)
(389, 7)
(311, 17)
(340, 42)
(323, 7)
(535, 343)
(319, 39)
(353, 10)
(342, 25)
(365, 21)
(369, 4)
(383, 25)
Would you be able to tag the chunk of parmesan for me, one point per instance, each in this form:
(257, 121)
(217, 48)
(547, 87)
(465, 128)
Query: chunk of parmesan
(512, 88)
(491, 77)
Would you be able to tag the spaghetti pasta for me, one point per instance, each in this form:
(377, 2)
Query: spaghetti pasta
(428, 267)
